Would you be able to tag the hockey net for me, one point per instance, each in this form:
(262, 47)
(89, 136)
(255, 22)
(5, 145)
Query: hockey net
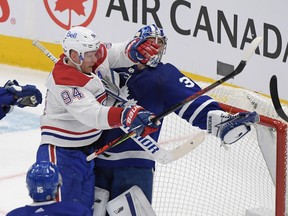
(246, 178)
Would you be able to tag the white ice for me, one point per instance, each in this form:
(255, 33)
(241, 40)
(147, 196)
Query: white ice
(19, 139)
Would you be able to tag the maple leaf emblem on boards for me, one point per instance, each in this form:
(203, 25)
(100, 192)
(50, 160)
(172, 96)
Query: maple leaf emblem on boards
(72, 10)
(75, 5)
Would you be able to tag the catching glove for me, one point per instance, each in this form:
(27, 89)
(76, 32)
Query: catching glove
(141, 50)
(230, 128)
(139, 120)
(27, 95)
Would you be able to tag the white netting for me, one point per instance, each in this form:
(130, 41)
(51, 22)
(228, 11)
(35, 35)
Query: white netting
(212, 180)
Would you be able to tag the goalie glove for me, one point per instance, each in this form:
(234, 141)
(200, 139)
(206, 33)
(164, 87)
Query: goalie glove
(27, 95)
(230, 128)
(141, 50)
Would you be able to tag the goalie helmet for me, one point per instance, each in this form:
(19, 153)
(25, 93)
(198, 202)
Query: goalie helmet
(152, 31)
(81, 40)
(43, 179)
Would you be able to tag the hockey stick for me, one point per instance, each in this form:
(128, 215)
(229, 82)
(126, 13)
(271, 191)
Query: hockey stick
(247, 55)
(275, 98)
(151, 146)
(148, 144)
(44, 50)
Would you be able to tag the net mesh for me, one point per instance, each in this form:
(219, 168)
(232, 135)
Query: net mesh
(215, 180)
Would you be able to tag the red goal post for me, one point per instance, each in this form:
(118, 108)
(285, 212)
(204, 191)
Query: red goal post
(281, 156)
(247, 179)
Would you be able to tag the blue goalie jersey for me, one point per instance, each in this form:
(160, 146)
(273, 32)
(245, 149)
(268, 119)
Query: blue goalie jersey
(157, 90)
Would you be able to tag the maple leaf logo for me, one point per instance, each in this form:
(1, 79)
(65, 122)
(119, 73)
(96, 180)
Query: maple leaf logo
(75, 5)
(72, 7)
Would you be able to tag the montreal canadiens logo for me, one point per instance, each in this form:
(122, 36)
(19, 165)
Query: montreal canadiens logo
(68, 13)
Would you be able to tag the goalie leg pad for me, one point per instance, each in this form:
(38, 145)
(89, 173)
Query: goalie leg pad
(132, 202)
(101, 197)
(230, 128)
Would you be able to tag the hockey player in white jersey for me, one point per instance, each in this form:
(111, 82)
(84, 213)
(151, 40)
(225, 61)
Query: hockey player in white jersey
(75, 113)
(43, 181)
(157, 87)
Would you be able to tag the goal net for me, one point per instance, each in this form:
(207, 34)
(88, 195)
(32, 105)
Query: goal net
(246, 178)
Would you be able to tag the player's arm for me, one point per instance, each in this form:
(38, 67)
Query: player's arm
(130, 52)
(88, 109)
(205, 112)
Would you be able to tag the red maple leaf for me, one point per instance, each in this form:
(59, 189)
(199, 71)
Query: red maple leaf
(76, 5)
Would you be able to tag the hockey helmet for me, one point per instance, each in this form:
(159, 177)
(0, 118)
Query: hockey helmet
(43, 179)
(81, 40)
(152, 31)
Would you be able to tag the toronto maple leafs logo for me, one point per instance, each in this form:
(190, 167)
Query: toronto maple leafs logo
(68, 13)
(125, 94)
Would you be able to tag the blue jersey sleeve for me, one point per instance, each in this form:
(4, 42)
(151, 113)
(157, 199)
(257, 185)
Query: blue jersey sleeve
(158, 89)
(176, 87)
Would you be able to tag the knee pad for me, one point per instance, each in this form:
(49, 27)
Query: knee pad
(130, 203)
(101, 197)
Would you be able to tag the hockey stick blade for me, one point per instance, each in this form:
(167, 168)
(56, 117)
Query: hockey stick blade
(275, 98)
(159, 154)
(185, 148)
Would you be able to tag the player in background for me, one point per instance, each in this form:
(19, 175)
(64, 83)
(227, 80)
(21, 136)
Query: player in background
(43, 180)
(75, 113)
(157, 87)
(12, 94)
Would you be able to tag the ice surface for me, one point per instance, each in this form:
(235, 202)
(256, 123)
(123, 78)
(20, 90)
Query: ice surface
(19, 139)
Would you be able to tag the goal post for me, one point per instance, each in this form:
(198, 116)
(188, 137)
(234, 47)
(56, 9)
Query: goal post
(246, 178)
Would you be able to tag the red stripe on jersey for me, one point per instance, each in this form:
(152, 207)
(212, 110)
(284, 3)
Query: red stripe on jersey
(114, 116)
(52, 154)
(66, 75)
(66, 131)
(53, 159)
(101, 98)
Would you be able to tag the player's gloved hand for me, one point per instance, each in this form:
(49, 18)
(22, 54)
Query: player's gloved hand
(139, 120)
(141, 50)
(27, 95)
(230, 128)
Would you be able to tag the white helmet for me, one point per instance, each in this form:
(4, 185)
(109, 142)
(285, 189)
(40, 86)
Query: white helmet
(81, 40)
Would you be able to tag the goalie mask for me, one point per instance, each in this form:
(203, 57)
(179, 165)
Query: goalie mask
(152, 31)
(81, 40)
(43, 180)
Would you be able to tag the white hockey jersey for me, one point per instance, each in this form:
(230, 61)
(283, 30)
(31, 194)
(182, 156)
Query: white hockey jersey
(75, 113)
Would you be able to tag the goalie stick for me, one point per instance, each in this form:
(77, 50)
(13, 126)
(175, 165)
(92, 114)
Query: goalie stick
(247, 55)
(275, 98)
(148, 143)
